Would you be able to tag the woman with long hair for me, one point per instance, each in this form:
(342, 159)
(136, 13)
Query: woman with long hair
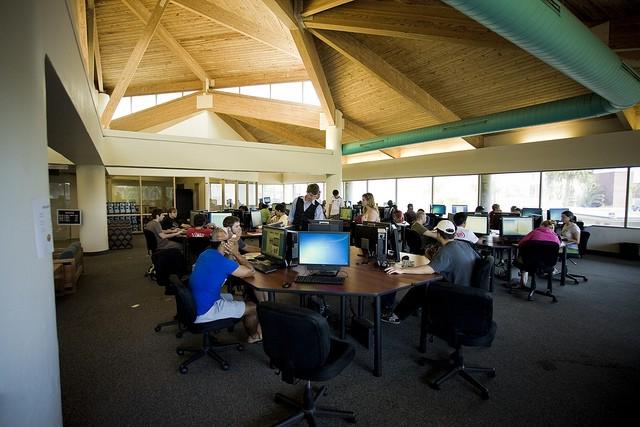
(370, 212)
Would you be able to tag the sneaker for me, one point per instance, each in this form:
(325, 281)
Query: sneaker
(390, 318)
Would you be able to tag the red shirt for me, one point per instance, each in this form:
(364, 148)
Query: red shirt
(199, 232)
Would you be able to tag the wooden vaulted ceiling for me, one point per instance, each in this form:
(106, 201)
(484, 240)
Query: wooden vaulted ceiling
(388, 66)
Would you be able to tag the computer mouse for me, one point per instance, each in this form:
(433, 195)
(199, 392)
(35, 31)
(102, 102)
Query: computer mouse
(286, 285)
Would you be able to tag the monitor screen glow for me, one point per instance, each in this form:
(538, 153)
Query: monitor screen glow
(320, 248)
(516, 226)
(478, 224)
(531, 211)
(555, 214)
(459, 208)
(216, 218)
(439, 210)
(274, 242)
(345, 214)
(256, 218)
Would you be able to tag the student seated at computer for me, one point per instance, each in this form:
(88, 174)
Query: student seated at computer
(462, 233)
(210, 272)
(279, 215)
(544, 233)
(232, 225)
(454, 261)
(516, 210)
(480, 209)
(570, 232)
(198, 229)
(370, 209)
(494, 217)
(398, 218)
(163, 236)
(264, 212)
(170, 221)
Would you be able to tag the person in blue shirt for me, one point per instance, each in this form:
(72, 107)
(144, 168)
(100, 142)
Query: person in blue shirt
(210, 273)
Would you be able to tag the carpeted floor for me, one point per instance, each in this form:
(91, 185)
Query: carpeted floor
(576, 362)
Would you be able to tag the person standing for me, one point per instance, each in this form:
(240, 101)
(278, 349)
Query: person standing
(305, 208)
(334, 205)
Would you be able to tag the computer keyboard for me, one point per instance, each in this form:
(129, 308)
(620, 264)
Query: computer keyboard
(329, 280)
(264, 267)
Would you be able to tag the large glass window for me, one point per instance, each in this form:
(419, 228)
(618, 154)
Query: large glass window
(216, 196)
(274, 191)
(142, 102)
(287, 91)
(596, 197)
(354, 190)
(309, 95)
(251, 189)
(634, 198)
(416, 191)
(157, 193)
(510, 189)
(456, 190)
(382, 190)
(242, 193)
(288, 193)
(229, 194)
(261, 91)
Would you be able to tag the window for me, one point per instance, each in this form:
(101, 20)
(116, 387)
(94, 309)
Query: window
(456, 190)
(291, 92)
(382, 190)
(510, 189)
(251, 188)
(634, 198)
(242, 193)
(229, 194)
(157, 193)
(142, 102)
(124, 107)
(354, 190)
(596, 197)
(261, 91)
(288, 193)
(274, 191)
(309, 95)
(166, 97)
(416, 191)
(230, 89)
(216, 196)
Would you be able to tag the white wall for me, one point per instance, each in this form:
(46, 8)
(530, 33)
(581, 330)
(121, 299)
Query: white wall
(203, 125)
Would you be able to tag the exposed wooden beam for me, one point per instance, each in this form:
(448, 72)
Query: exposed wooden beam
(375, 65)
(96, 52)
(629, 118)
(224, 103)
(238, 128)
(312, 7)
(132, 63)
(280, 131)
(238, 24)
(91, 24)
(304, 42)
(360, 133)
(143, 14)
(80, 9)
(432, 22)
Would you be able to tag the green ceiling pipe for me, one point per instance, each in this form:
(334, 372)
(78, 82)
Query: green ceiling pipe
(548, 31)
(579, 107)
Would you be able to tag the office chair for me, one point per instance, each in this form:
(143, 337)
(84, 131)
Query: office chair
(195, 246)
(414, 242)
(298, 344)
(167, 262)
(187, 316)
(461, 316)
(582, 248)
(152, 246)
(538, 256)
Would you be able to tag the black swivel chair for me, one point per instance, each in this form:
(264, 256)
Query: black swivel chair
(538, 256)
(582, 248)
(461, 316)
(298, 344)
(152, 246)
(414, 242)
(187, 315)
(195, 246)
(167, 262)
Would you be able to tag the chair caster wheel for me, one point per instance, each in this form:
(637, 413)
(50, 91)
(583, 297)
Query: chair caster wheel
(586, 280)
(157, 328)
(183, 370)
(240, 347)
(180, 352)
(225, 366)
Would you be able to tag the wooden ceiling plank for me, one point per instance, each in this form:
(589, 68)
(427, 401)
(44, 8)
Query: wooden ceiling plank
(96, 52)
(393, 19)
(155, 116)
(279, 131)
(132, 63)
(238, 24)
(91, 23)
(143, 14)
(304, 42)
(266, 109)
(311, 7)
(375, 65)
(238, 128)
(80, 10)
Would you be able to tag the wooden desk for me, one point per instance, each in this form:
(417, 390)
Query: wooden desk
(363, 280)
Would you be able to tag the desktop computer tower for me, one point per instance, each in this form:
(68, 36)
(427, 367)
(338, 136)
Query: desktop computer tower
(292, 256)
(381, 248)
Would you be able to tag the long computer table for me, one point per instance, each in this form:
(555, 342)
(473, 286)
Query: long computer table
(361, 280)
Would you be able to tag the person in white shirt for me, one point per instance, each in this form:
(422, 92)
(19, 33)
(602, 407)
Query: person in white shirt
(460, 220)
(334, 205)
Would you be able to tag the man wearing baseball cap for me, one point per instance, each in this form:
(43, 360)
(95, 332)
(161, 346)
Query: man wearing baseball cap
(454, 261)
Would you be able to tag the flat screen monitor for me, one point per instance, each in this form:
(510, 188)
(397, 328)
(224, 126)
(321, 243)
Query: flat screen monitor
(216, 218)
(479, 224)
(459, 208)
(346, 214)
(266, 200)
(274, 243)
(325, 225)
(555, 213)
(531, 211)
(192, 215)
(439, 210)
(324, 251)
(256, 219)
(513, 227)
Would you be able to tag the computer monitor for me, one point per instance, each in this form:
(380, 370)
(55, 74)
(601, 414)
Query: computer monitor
(256, 219)
(325, 225)
(192, 215)
(479, 224)
(515, 227)
(325, 252)
(531, 211)
(266, 200)
(216, 218)
(346, 214)
(274, 243)
(459, 208)
(366, 237)
(555, 213)
(439, 210)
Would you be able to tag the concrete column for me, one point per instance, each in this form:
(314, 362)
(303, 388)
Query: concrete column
(333, 141)
(92, 199)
